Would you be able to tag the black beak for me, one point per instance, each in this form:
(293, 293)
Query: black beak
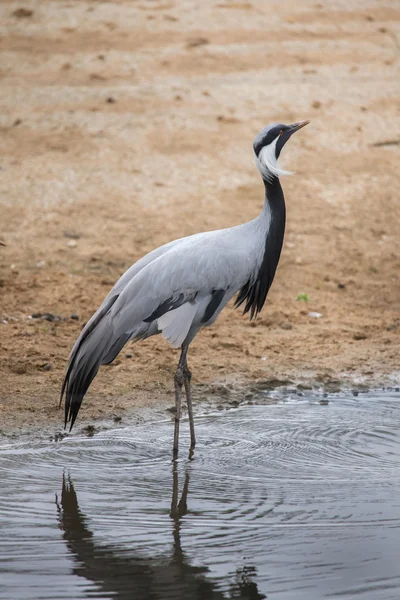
(287, 134)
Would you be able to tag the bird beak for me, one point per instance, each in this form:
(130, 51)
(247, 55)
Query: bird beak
(287, 134)
(296, 126)
(2, 243)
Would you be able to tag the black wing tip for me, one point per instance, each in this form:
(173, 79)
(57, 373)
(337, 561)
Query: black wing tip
(73, 403)
(81, 368)
(75, 386)
(73, 413)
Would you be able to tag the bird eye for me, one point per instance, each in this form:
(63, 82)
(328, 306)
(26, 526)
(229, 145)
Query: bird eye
(281, 131)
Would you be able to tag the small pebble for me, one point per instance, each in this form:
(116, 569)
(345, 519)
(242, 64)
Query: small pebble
(46, 316)
(73, 235)
(90, 430)
(22, 13)
(360, 336)
(198, 41)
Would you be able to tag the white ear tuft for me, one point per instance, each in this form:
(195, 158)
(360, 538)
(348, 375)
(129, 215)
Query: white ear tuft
(267, 163)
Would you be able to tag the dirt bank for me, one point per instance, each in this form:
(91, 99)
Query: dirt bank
(125, 125)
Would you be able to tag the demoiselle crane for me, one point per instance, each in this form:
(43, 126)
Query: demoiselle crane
(182, 286)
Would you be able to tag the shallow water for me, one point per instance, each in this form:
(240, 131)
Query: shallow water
(295, 500)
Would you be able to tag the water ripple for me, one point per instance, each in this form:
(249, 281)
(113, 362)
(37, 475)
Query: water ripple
(291, 500)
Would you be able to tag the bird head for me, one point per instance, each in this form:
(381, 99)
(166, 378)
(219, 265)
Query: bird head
(268, 145)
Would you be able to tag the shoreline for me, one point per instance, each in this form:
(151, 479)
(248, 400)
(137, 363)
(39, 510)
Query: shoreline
(225, 395)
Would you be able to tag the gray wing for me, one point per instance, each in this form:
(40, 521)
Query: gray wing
(185, 274)
(115, 292)
(121, 284)
(174, 290)
(105, 306)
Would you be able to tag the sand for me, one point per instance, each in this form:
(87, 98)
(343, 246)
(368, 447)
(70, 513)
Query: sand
(127, 124)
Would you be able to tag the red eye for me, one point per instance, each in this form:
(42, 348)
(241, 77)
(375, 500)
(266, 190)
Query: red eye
(281, 131)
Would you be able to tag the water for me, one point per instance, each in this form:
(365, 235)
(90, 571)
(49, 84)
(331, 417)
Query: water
(296, 500)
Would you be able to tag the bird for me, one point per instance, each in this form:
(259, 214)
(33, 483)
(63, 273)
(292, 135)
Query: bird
(183, 285)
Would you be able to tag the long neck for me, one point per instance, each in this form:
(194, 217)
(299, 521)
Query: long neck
(274, 202)
(254, 293)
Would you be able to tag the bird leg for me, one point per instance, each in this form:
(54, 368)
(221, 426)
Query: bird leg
(187, 379)
(178, 380)
(183, 377)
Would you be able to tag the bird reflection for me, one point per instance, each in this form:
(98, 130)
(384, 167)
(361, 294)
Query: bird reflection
(137, 576)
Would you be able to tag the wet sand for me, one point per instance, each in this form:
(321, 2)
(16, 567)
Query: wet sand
(125, 125)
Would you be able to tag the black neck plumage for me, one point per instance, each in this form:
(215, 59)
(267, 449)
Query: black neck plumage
(254, 292)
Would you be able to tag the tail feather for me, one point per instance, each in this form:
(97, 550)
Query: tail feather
(99, 343)
(74, 399)
(90, 325)
(86, 357)
(86, 363)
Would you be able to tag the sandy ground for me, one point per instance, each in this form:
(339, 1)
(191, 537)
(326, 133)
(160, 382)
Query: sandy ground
(127, 124)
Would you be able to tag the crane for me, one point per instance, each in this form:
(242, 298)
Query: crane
(183, 285)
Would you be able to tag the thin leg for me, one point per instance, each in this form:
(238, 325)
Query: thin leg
(178, 380)
(183, 377)
(187, 378)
